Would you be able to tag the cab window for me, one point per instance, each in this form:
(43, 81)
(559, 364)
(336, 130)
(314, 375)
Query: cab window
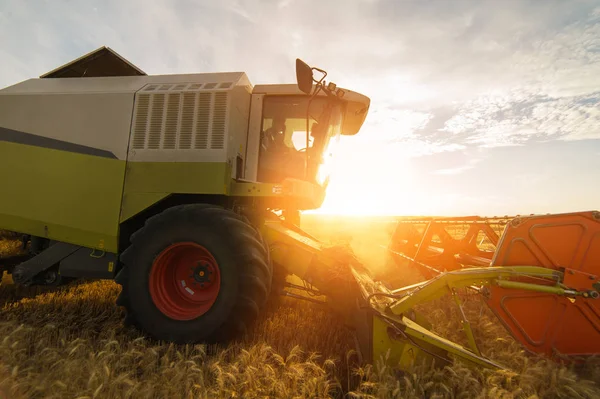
(283, 144)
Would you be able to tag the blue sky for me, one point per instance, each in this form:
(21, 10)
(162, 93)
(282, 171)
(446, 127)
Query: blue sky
(487, 107)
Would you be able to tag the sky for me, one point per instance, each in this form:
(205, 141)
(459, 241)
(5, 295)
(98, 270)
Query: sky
(477, 107)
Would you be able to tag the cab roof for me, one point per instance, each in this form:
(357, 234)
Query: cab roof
(357, 105)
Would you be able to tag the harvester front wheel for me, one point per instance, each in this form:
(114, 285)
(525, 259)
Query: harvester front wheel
(194, 273)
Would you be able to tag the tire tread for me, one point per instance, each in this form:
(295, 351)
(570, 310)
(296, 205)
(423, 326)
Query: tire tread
(255, 270)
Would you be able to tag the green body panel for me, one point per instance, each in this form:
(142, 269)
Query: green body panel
(401, 353)
(291, 247)
(298, 194)
(146, 183)
(134, 203)
(178, 177)
(64, 196)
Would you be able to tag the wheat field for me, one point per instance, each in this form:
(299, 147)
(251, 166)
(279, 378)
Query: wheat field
(69, 342)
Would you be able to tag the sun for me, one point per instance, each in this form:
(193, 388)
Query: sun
(365, 182)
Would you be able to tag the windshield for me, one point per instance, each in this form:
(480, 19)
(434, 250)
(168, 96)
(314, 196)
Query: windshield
(334, 132)
(285, 147)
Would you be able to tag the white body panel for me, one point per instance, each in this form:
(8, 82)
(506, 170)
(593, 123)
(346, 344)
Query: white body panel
(101, 120)
(254, 130)
(190, 122)
(98, 113)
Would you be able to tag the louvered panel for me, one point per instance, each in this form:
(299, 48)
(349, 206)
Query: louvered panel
(187, 121)
(217, 138)
(202, 120)
(141, 121)
(181, 121)
(170, 136)
(156, 121)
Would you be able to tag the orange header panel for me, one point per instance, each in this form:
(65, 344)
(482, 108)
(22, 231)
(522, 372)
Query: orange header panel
(548, 323)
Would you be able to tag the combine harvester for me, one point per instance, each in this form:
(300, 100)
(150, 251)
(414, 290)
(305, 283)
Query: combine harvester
(186, 189)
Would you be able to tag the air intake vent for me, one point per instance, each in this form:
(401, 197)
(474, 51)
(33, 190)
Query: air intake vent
(183, 120)
(156, 121)
(141, 118)
(202, 120)
(187, 121)
(187, 86)
(219, 117)
(170, 136)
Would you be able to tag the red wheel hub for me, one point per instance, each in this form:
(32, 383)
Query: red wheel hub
(184, 281)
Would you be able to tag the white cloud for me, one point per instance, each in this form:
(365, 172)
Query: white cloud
(555, 93)
(510, 120)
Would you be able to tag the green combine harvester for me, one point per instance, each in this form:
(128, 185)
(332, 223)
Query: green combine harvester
(186, 189)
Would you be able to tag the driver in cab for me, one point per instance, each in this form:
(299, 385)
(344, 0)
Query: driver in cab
(280, 158)
(275, 137)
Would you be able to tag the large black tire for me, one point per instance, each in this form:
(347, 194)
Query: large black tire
(243, 263)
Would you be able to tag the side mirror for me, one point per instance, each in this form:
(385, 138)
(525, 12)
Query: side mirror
(304, 76)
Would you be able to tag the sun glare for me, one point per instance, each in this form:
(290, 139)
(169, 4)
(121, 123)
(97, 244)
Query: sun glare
(369, 183)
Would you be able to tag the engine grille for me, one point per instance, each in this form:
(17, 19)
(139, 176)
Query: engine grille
(169, 118)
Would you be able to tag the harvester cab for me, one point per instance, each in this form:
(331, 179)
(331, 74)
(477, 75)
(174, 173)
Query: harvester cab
(299, 128)
(172, 185)
(299, 133)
